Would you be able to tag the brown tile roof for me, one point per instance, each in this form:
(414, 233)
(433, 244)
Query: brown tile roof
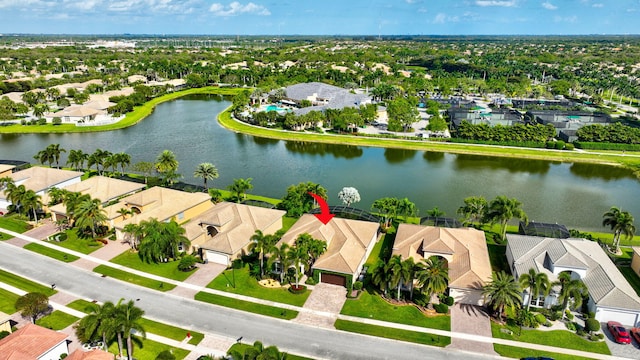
(160, 203)
(41, 178)
(95, 354)
(236, 223)
(29, 342)
(469, 266)
(348, 241)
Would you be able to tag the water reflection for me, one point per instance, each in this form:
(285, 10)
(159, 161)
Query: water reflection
(593, 171)
(341, 151)
(513, 165)
(433, 156)
(396, 156)
(265, 142)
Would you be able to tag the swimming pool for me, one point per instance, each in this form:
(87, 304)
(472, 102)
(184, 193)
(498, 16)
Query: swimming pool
(275, 108)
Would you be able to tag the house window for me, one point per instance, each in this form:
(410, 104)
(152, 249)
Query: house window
(538, 301)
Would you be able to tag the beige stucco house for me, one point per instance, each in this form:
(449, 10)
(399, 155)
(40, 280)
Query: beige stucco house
(5, 322)
(464, 249)
(635, 260)
(40, 179)
(6, 170)
(349, 243)
(223, 233)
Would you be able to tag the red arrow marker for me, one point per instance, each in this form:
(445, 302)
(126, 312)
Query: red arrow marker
(325, 216)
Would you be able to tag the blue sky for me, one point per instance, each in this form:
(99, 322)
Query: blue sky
(321, 17)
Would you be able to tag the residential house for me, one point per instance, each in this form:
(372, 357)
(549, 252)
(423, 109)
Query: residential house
(94, 354)
(6, 170)
(567, 123)
(223, 233)
(478, 115)
(635, 260)
(160, 203)
(322, 96)
(464, 249)
(74, 114)
(349, 243)
(40, 180)
(33, 342)
(5, 322)
(103, 188)
(610, 295)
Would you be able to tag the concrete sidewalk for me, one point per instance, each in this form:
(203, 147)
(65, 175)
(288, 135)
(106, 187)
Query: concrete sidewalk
(452, 334)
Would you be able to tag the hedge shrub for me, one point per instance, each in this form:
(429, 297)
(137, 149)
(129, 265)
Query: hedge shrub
(441, 308)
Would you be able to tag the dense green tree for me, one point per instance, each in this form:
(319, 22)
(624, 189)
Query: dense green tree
(402, 114)
(474, 209)
(32, 305)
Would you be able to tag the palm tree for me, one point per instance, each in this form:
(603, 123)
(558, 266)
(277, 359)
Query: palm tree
(89, 213)
(100, 320)
(166, 162)
(55, 150)
(394, 268)
(298, 257)
(128, 318)
(206, 171)
(123, 159)
(621, 222)
(279, 256)
(45, 156)
(537, 283)
(501, 210)
(406, 208)
(380, 276)
(240, 187)
(433, 276)
(261, 243)
(502, 291)
(77, 158)
(98, 158)
(570, 289)
(71, 200)
(31, 201)
(124, 212)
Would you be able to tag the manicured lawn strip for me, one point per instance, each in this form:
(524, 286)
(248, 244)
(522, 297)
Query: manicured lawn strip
(391, 333)
(246, 306)
(150, 326)
(247, 285)
(558, 338)
(518, 353)
(632, 278)
(24, 284)
(168, 270)
(372, 306)
(52, 253)
(130, 119)
(7, 301)
(168, 331)
(132, 278)
(498, 257)
(380, 250)
(287, 222)
(84, 246)
(12, 224)
(57, 320)
(525, 153)
(241, 348)
(149, 349)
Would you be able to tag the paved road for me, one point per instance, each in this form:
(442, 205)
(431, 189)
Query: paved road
(296, 338)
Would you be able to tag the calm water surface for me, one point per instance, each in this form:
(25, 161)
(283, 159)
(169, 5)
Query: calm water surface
(572, 194)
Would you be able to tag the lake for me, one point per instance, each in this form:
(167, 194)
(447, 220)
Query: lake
(572, 194)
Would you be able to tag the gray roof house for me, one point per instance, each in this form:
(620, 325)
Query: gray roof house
(610, 295)
(324, 96)
(567, 123)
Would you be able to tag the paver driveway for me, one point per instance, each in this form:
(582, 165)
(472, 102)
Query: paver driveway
(325, 298)
(474, 320)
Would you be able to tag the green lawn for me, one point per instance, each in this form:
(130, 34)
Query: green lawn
(52, 253)
(57, 320)
(168, 270)
(372, 306)
(246, 306)
(13, 224)
(132, 278)
(247, 285)
(558, 338)
(149, 349)
(84, 246)
(241, 348)
(632, 278)
(518, 353)
(150, 326)
(8, 301)
(24, 284)
(287, 222)
(391, 333)
(498, 258)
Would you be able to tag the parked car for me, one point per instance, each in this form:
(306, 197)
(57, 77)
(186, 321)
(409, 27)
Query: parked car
(619, 333)
(635, 333)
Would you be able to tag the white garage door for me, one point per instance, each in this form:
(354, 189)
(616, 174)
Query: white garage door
(623, 317)
(217, 258)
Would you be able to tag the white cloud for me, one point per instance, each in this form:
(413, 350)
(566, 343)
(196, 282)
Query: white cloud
(568, 19)
(483, 3)
(442, 18)
(597, 5)
(235, 8)
(549, 6)
(26, 4)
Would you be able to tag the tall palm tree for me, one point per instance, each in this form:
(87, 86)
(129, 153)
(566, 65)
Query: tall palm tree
(537, 282)
(261, 243)
(56, 151)
(15, 194)
(99, 320)
(570, 289)
(77, 158)
(433, 276)
(166, 162)
(279, 256)
(621, 222)
(501, 210)
(89, 213)
(128, 318)
(123, 159)
(71, 200)
(406, 208)
(394, 267)
(206, 171)
(98, 158)
(502, 291)
(380, 276)
(240, 187)
(31, 201)
(298, 257)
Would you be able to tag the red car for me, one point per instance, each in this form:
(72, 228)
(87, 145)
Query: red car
(635, 333)
(619, 333)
